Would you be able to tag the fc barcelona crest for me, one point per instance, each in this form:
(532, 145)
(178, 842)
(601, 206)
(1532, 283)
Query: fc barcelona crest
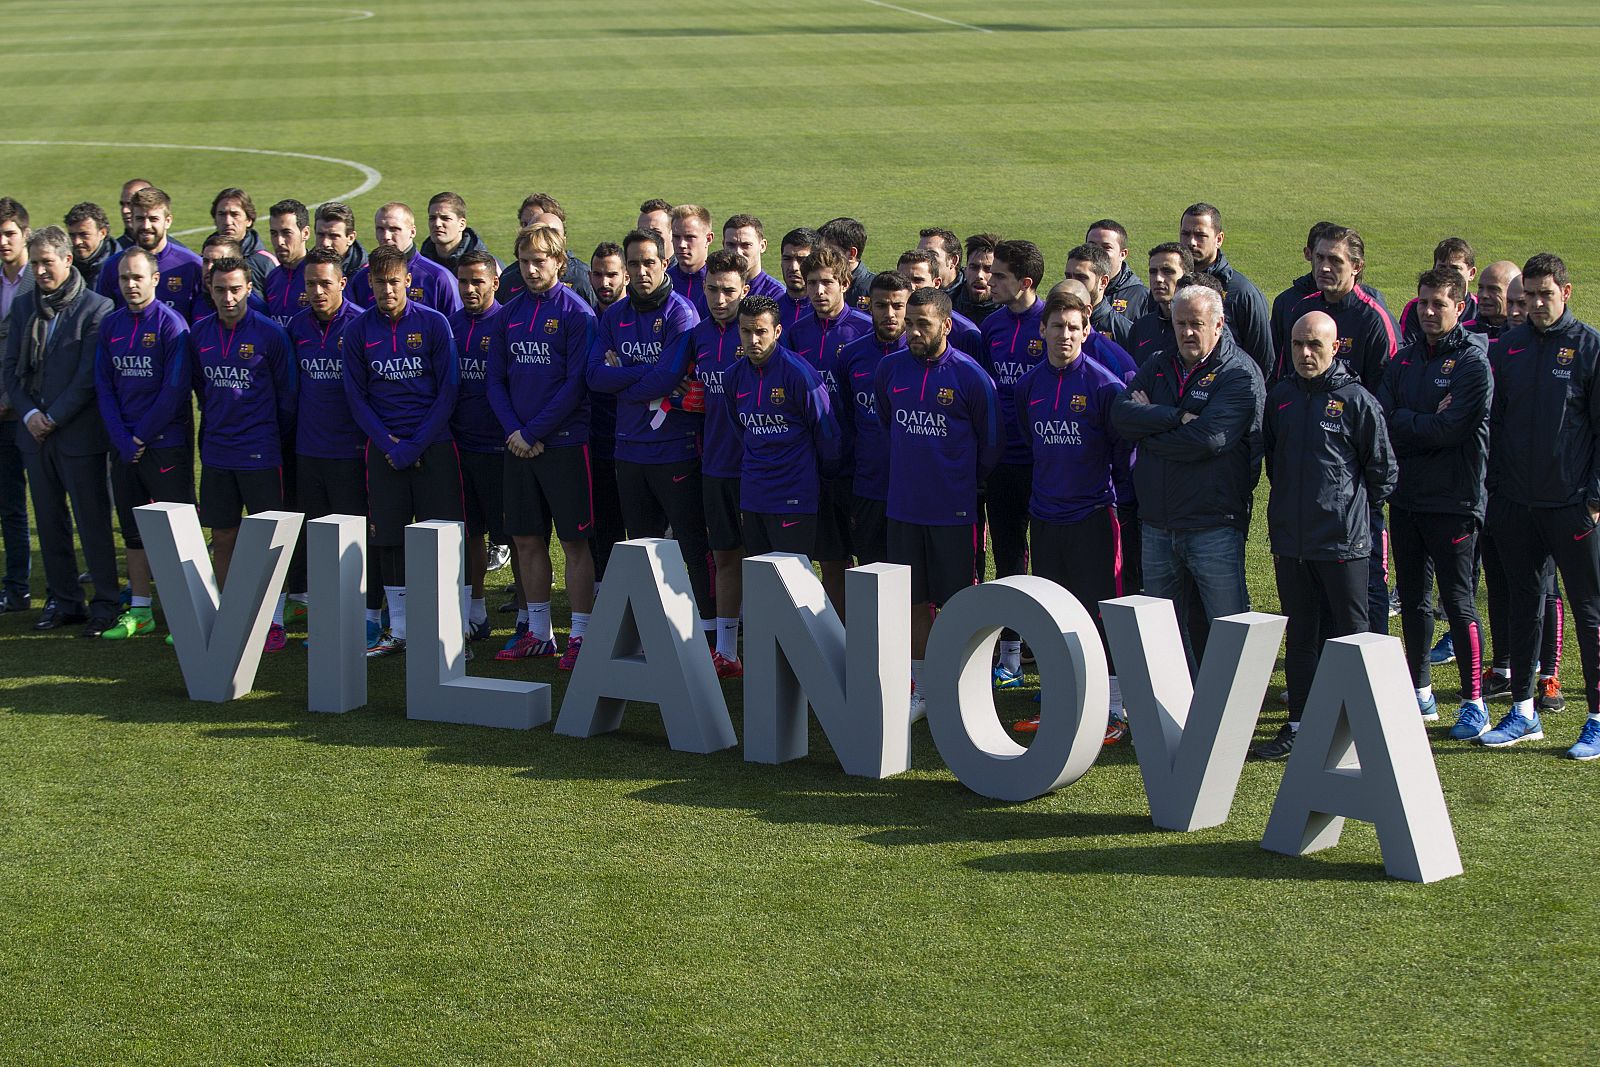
(414, 341)
(1335, 408)
(246, 351)
(148, 340)
(946, 396)
(552, 325)
(1035, 347)
(1564, 356)
(1079, 402)
(776, 397)
(175, 283)
(1447, 366)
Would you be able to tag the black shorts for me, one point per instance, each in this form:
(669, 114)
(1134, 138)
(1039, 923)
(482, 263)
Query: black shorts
(869, 530)
(1083, 557)
(483, 482)
(162, 476)
(429, 489)
(553, 486)
(765, 532)
(943, 559)
(226, 493)
(331, 486)
(721, 497)
(833, 520)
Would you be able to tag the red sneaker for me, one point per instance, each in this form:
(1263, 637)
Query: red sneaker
(528, 646)
(727, 668)
(276, 642)
(569, 658)
(1116, 730)
(1026, 726)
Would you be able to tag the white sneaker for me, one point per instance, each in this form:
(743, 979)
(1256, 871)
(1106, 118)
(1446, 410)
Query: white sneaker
(919, 707)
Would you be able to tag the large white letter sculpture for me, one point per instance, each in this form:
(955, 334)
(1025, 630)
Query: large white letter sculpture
(795, 651)
(1191, 740)
(336, 565)
(645, 644)
(218, 639)
(1074, 688)
(437, 686)
(1363, 753)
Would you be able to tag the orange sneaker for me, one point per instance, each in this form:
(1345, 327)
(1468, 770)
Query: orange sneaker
(1116, 730)
(1026, 726)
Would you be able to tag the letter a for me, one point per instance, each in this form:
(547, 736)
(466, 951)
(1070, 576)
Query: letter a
(1363, 753)
(644, 644)
(1191, 740)
(218, 638)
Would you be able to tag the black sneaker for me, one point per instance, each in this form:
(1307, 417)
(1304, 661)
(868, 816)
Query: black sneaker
(11, 602)
(1276, 749)
(1495, 684)
(1547, 696)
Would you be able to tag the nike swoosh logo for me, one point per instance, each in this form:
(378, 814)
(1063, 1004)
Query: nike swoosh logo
(1581, 536)
(374, 344)
(901, 388)
(306, 341)
(1514, 351)
(208, 348)
(1458, 540)
(1285, 404)
(1041, 400)
(582, 526)
(625, 325)
(741, 396)
(861, 374)
(789, 524)
(171, 468)
(516, 325)
(124, 337)
(1146, 341)
(676, 478)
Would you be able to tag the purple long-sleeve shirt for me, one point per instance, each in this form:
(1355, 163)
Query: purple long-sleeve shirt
(179, 287)
(401, 379)
(245, 377)
(640, 338)
(1080, 464)
(782, 414)
(867, 437)
(537, 362)
(474, 424)
(1012, 346)
(324, 428)
(432, 285)
(286, 292)
(943, 422)
(716, 349)
(819, 342)
(142, 379)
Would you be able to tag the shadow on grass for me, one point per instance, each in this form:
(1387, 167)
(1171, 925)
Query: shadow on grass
(1183, 859)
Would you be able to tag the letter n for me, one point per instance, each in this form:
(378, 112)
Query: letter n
(795, 652)
(645, 644)
(1362, 753)
(1191, 740)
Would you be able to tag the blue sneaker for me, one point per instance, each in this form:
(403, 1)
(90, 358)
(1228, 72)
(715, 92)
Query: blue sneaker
(1007, 679)
(511, 642)
(1513, 728)
(479, 631)
(1429, 709)
(374, 634)
(1471, 723)
(1588, 746)
(1443, 652)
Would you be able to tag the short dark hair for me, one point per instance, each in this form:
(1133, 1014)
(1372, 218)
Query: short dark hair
(826, 257)
(216, 240)
(740, 222)
(726, 261)
(1450, 247)
(229, 264)
(639, 236)
(150, 197)
(1022, 258)
(478, 257)
(934, 297)
(947, 238)
(386, 260)
(1173, 248)
(752, 306)
(1200, 209)
(801, 237)
(1348, 237)
(650, 207)
(326, 256)
(1095, 256)
(916, 255)
(1445, 280)
(889, 281)
(846, 233)
(302, 214)
(1546, 265)
(87, 211)
(981, 242)
(334, 211)
(605, 249)
(13, 211)
(246, 205)
(546, 204)
(1107, 224)
(453, 201)
(1204, 281)
(1318, 231)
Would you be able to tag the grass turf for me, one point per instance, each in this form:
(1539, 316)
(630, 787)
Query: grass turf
(250, 883)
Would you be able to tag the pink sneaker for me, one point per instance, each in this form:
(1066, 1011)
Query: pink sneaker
(727, 668)
(528, 646)
(569, 658)
(276, 642)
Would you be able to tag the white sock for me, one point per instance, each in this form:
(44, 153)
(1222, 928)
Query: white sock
(1594, 716)
(277, 612)
(1424, 694)
(479, 611)
(1116, 699)
(708, 625)
(1478, 703)
(140, 602)
(1524, 708)
(1011, 655)
(304, 598)
(466, 607)
(916, 675)
(728, 637)
(580, 624)
(396, 595)
(374, 614)
(539, 621)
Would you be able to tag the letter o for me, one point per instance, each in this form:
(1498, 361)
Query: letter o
(960, 698)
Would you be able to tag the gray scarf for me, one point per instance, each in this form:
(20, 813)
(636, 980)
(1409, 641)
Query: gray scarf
(46, 306)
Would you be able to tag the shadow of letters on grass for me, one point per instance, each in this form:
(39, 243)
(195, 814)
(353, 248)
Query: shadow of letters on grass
(1362, 751)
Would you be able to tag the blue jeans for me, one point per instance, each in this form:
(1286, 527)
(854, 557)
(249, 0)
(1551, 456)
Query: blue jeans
(1212, 559)
(14, 512)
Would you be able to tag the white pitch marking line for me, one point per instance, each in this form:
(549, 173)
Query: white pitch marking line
(925, 15)
(371, 175)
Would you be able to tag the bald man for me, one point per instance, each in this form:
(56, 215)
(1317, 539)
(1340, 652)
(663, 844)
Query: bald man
(395, 226)
(1328, 458)
(1494, 285)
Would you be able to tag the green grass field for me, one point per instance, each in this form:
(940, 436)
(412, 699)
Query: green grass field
(249, 883)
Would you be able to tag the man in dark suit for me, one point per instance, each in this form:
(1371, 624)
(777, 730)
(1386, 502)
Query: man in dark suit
(47, 372)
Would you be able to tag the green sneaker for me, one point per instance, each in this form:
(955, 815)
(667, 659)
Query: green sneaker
(131, 623)
(294, 613)
(169, 641)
